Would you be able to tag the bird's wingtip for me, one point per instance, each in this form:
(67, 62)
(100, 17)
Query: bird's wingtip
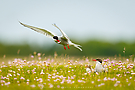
(20, 22)
(80, 49)
(53, 24)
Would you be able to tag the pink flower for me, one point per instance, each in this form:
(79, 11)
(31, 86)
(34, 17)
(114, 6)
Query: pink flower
(72, 77)
(22, 78)
(105, 66)
(58, 86)
(39, 58)
(24, 60)
(92, 82)
(52, 60)
(2, 77)
(48, 79)
(129, 84)
(7, 83)
(105, 60)
(39, 54)
(82, 78)
(79, 81)
(27, 83)
(130, 77)
(127, 60)
(62, 82)
(112, 62)
(102, 83)
(87, 60)
(41, 86)
(118, 75)
(119, 64)
(113, 79)
(33, 86)
(119, 61)
(3, 63)
(40, 80)
(17, 81)
(32, 56)
(115, 84)
(15, 78)
(117, 81)
(53, 77)
(73, 81)
(2, 81)
(68, 81)
(127, 72)
(105, 79)
(28, 80)
(98, 80)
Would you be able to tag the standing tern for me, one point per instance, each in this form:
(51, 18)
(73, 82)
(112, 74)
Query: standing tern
(63, 39)
(99, 67)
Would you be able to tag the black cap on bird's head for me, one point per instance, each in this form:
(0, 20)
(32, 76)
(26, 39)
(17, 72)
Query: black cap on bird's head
(55, 37)
(97, 60)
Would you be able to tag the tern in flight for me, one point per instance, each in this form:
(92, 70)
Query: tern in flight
(63, 39)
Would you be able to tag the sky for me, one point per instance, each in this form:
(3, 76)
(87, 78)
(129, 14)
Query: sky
(81, 20)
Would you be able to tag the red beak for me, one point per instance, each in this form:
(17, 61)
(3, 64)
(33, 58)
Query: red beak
(58, 40)
(94, 60)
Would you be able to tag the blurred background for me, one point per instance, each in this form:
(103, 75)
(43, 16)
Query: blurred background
(102, 27)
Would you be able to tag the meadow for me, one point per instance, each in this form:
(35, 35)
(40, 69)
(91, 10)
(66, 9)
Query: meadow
(39, 71)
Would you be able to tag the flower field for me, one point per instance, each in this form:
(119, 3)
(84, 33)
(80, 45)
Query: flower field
(39, 72)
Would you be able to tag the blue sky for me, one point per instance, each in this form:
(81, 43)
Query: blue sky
(109, 20)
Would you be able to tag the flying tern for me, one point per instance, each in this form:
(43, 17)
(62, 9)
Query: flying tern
(63, 39)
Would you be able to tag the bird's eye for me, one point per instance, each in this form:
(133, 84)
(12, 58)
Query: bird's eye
(55, 37)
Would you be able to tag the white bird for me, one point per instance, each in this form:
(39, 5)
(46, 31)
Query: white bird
(99, 67)
(63, 39)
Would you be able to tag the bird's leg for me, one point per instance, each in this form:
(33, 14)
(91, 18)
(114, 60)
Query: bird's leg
(64, 47)
(68, 46)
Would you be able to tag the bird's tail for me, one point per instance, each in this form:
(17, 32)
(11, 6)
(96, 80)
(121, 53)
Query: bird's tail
(77, 46)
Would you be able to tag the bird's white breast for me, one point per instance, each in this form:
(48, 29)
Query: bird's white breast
(99, 67)
(63, 41)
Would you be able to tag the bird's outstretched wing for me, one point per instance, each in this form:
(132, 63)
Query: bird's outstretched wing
(42, 31)
(64, 36)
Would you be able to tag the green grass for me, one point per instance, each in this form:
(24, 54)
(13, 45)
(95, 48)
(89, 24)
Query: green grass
(40, 72)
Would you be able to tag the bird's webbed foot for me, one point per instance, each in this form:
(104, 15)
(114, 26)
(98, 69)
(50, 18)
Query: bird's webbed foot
(68, 46)
(64, 47)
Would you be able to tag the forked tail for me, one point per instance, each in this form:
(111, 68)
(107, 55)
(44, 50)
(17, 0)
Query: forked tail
(77, 46)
